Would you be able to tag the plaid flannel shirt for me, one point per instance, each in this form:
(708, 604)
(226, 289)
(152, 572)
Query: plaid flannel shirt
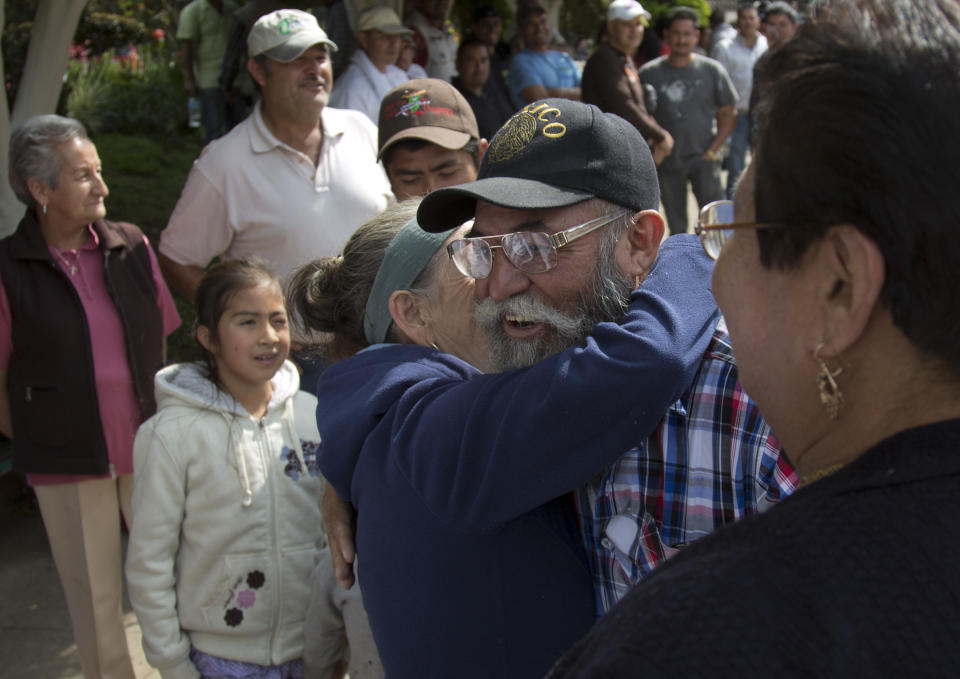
(712, 460)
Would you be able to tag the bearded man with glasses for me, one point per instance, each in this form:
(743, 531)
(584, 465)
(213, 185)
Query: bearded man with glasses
(565, 229)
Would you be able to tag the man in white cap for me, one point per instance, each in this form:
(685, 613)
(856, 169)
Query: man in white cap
(292, 181)
(372, 71)
(610, 80)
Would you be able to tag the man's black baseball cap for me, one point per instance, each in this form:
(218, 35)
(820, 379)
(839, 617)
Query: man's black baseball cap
(553, 153)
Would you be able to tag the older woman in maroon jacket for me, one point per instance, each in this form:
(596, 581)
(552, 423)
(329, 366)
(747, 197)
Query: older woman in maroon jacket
(83, 315)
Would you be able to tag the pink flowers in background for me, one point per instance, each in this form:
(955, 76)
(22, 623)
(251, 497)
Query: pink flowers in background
(78, 51)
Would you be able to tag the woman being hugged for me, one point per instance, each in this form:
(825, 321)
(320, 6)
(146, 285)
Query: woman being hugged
(83, 316)
(227, 522)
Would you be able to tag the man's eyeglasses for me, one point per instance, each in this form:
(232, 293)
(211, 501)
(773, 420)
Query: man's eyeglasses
(529, 251)
(716, 226)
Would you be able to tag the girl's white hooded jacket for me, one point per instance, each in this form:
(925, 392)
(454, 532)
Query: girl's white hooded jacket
(226, 523)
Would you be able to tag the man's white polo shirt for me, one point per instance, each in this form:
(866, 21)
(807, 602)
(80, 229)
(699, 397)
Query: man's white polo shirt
(249, 194)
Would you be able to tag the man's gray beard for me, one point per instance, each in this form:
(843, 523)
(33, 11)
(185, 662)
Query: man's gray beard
(605, 299)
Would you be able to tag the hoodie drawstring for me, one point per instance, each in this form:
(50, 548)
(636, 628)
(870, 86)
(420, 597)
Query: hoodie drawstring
(241, 463)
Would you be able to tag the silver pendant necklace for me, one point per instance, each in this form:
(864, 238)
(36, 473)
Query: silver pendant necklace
(71, 266)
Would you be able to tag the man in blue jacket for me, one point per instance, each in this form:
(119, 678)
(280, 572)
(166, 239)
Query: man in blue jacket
(547, 272)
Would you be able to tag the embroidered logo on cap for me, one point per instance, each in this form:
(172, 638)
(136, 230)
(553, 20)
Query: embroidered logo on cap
(521, 129)
(416, 104)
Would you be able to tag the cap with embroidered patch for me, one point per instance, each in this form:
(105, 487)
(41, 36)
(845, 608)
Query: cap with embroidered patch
(429, 109)
(553, 153)
(286, 34)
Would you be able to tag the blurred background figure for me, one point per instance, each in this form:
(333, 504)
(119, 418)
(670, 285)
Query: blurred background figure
(779, 23)
(202, 32)
(610, 79)
(537, 71)
(405, 62)
(738, 55)
(435, 36)
(487, 27)
(372, 71)
(476, 83)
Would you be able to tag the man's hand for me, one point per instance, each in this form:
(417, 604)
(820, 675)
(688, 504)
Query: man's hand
(338, 517)
(661, 149)
(183, 278)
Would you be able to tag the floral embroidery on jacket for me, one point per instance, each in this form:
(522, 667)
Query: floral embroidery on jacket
(293, 468)
(245, 598)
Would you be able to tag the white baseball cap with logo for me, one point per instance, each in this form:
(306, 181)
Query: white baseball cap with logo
(286, 34)
(626, 10)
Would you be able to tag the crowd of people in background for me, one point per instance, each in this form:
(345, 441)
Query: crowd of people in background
(464, 406)
(685, 82)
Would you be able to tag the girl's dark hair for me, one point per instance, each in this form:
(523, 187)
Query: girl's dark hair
(217, 287)
(328, 297)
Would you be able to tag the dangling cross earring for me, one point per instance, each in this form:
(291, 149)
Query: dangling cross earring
(830, 395)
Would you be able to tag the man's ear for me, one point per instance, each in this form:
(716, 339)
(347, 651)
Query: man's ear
(853, 274)
(639, 243)
(407, 314)
(256, 72)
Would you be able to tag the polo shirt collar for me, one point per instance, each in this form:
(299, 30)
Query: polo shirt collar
(263, 140)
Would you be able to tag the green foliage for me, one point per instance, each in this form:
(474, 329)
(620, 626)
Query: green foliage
(659, 10)
(104, 25)
(110, 96)
(100, 31)
(583, 19)
(151, 13)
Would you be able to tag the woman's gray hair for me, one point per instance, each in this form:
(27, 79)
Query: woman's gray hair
(34, 152)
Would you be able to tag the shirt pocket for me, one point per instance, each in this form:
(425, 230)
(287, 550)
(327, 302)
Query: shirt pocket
(635, 543)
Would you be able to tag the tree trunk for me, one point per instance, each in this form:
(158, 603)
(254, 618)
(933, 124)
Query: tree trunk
(47, 56)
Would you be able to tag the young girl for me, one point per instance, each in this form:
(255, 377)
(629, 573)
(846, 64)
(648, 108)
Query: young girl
(226, 518)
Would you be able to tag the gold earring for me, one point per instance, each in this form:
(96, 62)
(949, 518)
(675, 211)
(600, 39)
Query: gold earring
(636, 281)
(434, 345)
(830, 395)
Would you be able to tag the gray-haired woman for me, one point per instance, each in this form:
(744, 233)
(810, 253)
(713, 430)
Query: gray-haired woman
(83, 316)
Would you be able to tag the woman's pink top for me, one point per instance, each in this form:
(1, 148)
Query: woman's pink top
(119, 413)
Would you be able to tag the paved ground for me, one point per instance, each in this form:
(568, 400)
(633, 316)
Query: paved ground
(35, 637)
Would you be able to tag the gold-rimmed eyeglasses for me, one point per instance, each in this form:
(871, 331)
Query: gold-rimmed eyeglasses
(529, 251)
(716, 226)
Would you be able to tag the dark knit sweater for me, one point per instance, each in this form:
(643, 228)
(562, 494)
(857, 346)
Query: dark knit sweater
(857, 575)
